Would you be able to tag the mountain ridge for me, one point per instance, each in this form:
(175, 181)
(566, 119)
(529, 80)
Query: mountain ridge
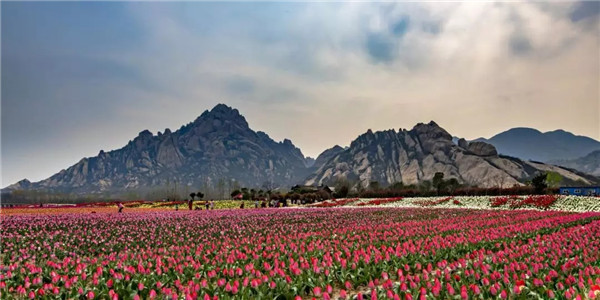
(411, 156)
(532, 144)
(218, 145)
(220, 150)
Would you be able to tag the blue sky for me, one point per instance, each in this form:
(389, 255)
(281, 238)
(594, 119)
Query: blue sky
(80, 77)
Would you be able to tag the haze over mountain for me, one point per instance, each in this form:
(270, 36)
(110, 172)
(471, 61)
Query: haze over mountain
(589, 164)
(529, 143)
(220, 151)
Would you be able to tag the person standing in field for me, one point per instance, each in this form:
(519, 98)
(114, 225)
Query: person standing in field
(255, 203)
(120, 205)
(190, 204)
(207, 204)
(212, 204)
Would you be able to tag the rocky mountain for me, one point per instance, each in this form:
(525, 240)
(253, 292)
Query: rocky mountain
(528, 143)
(218, 148)
(219, 151)
(412, 156)
(589, 164)
(324, 157)
(309, 162)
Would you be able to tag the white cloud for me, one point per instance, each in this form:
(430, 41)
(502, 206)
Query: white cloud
(308, 77)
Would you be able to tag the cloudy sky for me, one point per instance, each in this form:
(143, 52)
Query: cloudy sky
(80, 77)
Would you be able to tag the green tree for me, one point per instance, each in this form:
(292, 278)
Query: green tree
(374, 185)
(553, 179)
(359, 187)
(539, 183)
(221, 188)
(193, 195)
(342, 192)
(200, 195)
(438, 181)
(245, 194)
(235, 193)
(396, 186)
(342, 187)
(425, 186)
(452, 184)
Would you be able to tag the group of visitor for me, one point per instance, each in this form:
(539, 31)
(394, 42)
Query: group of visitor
(264, 203)
(207, 204)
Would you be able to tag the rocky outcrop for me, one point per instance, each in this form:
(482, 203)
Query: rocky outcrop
(326, 155)
(463, 143)
(482, 149)
(412, 156)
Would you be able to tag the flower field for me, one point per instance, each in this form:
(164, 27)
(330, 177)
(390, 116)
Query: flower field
(130, 206)
(540, 202)
(325, 253)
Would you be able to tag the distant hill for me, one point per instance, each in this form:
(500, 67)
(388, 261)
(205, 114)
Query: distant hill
(589, 164)
(531, 144)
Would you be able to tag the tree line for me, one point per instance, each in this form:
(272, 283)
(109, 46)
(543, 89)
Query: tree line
(542, 183)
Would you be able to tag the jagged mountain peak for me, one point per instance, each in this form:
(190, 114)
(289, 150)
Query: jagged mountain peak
(432, 130)
(145, 134)
(220, 117)
(222, 111)
(218, 146)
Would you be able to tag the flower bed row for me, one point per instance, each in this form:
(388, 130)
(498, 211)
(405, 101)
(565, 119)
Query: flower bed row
(380, 201)
(541, 202)
(434, 202)
(335, 202)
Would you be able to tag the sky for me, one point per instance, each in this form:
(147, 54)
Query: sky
(80, 77)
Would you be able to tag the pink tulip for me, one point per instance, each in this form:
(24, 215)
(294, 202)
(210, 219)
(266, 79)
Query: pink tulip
(317, 291)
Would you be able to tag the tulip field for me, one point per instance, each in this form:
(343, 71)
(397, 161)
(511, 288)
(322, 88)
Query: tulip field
(539, 202)
(302, 253)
